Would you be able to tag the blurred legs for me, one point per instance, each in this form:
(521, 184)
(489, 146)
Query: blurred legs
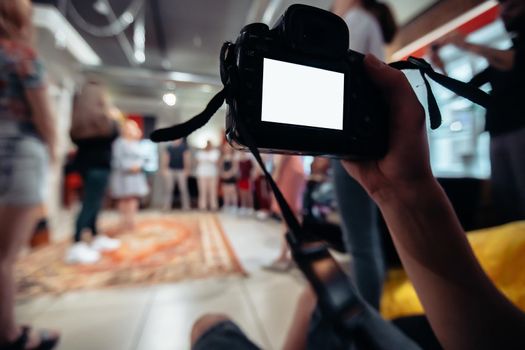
(182, 183)
(16, 228)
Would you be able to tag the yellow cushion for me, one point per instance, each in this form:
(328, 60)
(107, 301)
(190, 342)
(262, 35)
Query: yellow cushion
(501, 252)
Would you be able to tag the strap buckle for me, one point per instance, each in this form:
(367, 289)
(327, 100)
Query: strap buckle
(420, 63)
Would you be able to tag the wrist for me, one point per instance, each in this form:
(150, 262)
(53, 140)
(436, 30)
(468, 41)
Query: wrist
(476, 49)
(408, 193)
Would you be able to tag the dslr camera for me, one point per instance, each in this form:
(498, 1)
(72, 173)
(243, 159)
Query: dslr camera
(298, 89)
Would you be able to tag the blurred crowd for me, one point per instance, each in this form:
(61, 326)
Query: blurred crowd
(110, 160)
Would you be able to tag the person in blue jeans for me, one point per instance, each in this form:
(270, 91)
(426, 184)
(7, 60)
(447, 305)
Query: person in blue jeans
(464, 308)
(95, 182)
(93, 161)
(371, 25)
(93, 131)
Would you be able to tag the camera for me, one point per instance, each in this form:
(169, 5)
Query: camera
(298, 89)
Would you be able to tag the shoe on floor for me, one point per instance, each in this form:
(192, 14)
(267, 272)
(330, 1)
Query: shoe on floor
(262, 215)
(103, 243)
(43, 340)
(280, 266)
(82, 253)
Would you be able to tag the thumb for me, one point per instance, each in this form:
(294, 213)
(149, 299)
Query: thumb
(405, 110)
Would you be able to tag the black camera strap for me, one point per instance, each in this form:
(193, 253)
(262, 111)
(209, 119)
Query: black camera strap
(460, 88)
(340, 302)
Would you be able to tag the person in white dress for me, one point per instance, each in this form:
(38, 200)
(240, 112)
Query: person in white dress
(208, 177)
(128, 181)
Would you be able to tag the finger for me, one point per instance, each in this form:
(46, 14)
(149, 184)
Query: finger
(392, 82)
(405, 110)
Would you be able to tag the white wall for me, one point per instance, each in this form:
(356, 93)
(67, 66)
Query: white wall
(62, 76)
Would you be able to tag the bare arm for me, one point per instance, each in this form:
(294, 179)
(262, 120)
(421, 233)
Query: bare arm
(235, 168)
(499, 59)
(164, 161)
(43, 118)
(465, 310)
(187, 162)
(278, 160)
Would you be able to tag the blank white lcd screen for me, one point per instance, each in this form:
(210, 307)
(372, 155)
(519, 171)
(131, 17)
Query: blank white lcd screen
(301, 95)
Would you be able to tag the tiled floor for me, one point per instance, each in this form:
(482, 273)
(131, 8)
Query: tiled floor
(160, 317)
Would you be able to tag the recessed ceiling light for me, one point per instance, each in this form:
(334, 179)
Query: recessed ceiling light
(456, 126)
(128, 17)
(101, 7)
(170, 99)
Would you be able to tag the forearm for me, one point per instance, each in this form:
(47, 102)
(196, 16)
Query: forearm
(187, 161)
(45, 127)
(43, 117)
(500, 59)
(461, 303)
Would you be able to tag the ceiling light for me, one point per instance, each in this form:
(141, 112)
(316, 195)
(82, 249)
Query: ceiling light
(127, 17)
(206, 89)
(170, 99)
(101, 7)
(456, 126)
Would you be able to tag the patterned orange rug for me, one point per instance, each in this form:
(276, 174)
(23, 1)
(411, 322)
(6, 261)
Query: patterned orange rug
(164, 248)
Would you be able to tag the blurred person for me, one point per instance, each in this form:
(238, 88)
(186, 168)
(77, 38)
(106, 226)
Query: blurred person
(463, 306)
(208, 176)
(245, 183)
(27, 145)
(318, 196)
(290, 178)
(229, 170)
(505, 117)
(371, 25)
(128, 181)
(319, 169)
(94, 128)
(263, 191)
(176, 168)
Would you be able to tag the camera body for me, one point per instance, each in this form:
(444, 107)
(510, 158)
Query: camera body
(298, 89)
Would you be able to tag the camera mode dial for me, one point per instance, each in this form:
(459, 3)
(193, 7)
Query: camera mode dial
(256, 30)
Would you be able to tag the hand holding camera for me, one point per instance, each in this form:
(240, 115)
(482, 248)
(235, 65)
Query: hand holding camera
(407, 161)
(297, 89)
